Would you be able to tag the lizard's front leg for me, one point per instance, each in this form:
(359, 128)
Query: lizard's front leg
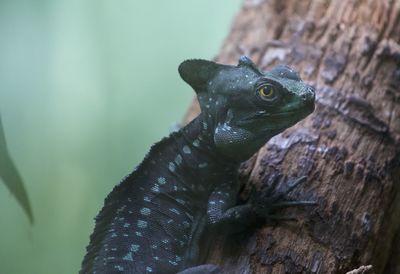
(223, 210)
(224, 213)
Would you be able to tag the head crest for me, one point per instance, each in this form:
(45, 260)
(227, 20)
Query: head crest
(197, 73)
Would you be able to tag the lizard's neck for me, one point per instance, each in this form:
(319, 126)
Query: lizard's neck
(199, 136)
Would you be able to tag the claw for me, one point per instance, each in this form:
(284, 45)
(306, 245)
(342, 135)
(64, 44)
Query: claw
(293, 186)
(293, 203)
(282, 218)
(271, 200)
(275, 180)
(296, 183)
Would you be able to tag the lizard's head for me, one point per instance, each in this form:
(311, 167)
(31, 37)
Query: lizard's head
(244, 107)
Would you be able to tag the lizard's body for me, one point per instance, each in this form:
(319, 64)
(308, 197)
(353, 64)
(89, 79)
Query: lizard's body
(153, 220)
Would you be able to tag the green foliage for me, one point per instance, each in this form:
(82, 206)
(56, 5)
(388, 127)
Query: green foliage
(11, 177)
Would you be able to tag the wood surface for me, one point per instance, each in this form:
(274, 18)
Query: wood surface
(348, 148)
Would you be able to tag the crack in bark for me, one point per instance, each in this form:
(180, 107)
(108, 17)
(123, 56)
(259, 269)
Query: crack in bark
(353, 108)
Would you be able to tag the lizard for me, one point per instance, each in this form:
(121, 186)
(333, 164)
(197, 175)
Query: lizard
(154, 220)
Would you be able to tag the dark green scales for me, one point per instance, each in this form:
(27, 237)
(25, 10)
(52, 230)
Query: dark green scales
(186, 187)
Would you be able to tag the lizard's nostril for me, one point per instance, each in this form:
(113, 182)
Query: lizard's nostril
(309, 94)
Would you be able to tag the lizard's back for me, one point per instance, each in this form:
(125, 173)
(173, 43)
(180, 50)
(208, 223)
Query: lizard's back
(145, 224)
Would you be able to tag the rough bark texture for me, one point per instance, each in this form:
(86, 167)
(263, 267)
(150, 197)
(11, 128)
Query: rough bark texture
(348, 147)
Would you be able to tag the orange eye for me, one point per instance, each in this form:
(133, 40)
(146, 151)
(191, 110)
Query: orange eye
(266, 92)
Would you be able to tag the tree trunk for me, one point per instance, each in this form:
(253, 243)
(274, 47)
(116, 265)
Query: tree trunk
(348, 148)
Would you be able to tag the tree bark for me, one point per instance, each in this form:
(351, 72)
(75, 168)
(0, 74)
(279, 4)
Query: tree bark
(348, 148)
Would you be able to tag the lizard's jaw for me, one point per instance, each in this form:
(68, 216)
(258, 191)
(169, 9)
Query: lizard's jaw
(272, 122)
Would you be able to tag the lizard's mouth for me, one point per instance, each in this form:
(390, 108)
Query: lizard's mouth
(263, 116)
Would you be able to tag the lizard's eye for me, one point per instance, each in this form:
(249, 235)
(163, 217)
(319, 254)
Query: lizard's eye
(266, 92)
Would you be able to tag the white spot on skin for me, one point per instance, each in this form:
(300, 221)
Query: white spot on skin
(161, 180)
(146, 199)
(118, 267)
(145, 211)
(142, 224)
(149, 269)
(165, 241)
(203, 165)
(156, 188)
(196, 143)
(226, 127)
(128, 257)
(121, 209)
(178, 159)
(171, 166)
(139, 234)
(186, 150)
(135, 248)
(174, 210)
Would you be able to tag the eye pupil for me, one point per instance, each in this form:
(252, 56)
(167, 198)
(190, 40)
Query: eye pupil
(266, 91)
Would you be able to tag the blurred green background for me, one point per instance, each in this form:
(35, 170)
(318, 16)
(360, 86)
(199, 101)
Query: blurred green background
(85, 88)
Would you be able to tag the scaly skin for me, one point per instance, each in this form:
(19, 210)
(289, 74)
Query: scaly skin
(186, 187)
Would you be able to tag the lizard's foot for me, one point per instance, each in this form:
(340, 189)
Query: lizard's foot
(267, 202)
